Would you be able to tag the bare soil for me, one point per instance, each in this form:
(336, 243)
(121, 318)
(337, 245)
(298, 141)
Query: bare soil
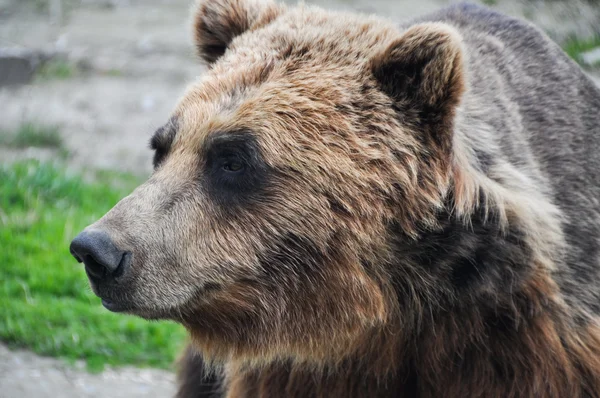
(24, 375)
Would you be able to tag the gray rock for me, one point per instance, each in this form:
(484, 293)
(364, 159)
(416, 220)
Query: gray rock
(17, 65)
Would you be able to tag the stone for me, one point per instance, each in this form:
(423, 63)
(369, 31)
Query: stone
(17, 66)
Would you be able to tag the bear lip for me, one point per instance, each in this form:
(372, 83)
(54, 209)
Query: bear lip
(113, 306)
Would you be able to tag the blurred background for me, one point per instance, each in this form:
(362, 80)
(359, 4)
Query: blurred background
(83, 85)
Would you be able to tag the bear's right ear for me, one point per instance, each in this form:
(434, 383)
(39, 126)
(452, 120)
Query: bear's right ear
(422, 71)
(218, 22)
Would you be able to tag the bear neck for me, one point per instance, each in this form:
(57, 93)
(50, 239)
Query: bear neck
(483, 315)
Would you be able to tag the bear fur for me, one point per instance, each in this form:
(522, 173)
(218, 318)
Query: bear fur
(343, 207)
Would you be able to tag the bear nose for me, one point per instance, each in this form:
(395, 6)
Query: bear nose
(101, 257)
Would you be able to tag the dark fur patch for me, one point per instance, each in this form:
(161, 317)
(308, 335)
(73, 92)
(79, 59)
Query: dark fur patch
(292, 256)
(194, 380)
(467, 259)
(162, 140)
(230, 187)
(484, 160)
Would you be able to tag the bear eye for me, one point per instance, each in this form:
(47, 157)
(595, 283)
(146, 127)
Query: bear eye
(233, 166)
(234, 172)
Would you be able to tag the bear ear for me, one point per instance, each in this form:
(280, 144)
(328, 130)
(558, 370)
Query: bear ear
(218, 22)
(422, 72)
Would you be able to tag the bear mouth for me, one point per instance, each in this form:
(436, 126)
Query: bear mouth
(114, 306)
(125, 306)
(114, 299)
(110, 304)
(106, 294)
(128, 308)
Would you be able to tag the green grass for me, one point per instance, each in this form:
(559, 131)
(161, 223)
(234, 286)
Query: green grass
(57, 69)
(113, 72)
(32, 135)
(46, 303)
(575, 47)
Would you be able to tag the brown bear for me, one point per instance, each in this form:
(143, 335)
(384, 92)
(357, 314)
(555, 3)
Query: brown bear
(342, 207)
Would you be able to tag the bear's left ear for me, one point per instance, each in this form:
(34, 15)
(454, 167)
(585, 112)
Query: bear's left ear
(422, 72)
(218, 22)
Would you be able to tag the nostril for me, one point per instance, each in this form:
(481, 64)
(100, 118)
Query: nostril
(93, 267)
(123, 265)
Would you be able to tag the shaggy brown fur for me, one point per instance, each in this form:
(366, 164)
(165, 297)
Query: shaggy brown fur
(342, 207)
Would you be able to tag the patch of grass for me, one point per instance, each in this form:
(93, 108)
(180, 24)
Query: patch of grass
(490, 2)
(46, 303)
(113, 72)
(57, 69)
(574, 47)
(32, 135)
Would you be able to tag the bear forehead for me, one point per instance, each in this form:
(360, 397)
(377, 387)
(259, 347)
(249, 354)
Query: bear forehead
(314, 36)
(305, 56)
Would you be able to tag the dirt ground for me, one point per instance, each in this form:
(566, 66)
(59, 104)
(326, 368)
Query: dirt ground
(136, 59)
(24, 375)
